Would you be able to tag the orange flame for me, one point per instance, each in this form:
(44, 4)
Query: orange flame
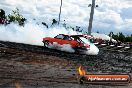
(81, 71)
(17, 84)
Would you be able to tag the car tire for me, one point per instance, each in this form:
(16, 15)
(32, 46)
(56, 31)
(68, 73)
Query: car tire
(46, 44)
(76, 50)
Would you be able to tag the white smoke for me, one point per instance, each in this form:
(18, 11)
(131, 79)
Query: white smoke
(93, 50)
(65, 47)
(29, 34)
(33, 34)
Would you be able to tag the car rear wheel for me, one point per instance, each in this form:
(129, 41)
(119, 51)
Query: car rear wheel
(76, 50)
(46, 44)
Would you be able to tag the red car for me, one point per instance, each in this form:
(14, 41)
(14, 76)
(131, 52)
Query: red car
(76, 41)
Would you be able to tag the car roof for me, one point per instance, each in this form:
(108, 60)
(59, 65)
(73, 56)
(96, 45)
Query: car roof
(71, 35)
(86, 36)
(77, 35)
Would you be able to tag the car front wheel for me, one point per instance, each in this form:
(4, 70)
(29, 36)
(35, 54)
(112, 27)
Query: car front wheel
(46, 44)
(76, 50)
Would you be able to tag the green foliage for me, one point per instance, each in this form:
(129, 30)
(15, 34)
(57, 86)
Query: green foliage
(128, 39)
(2, 14)
(115, 36)
(121, 37)
(13, 17)
(2, 17)
(16, 17)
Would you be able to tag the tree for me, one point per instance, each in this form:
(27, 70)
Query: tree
(121, 37)
(115, 36)
(2, 14)
(128, 39)
(2, 17)
(16, 17)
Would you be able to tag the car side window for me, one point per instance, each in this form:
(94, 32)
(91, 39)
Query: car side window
(78, 39)
(59, 36)
(67, 38)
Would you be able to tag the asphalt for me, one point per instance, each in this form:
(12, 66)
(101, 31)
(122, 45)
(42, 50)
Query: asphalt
(29, 66)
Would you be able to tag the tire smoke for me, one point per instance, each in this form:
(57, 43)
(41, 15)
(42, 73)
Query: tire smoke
(33, 34)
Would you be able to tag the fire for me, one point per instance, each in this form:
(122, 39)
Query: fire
(17, 84)
(81, 71)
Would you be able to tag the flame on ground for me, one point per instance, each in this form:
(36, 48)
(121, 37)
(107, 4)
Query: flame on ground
(17, 84)
(81, 71)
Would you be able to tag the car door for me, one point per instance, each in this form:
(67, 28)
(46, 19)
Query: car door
(59, 39)
(68, 40)
(65, 40)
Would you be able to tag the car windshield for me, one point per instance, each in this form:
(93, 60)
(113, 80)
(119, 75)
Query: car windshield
(59, 36)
